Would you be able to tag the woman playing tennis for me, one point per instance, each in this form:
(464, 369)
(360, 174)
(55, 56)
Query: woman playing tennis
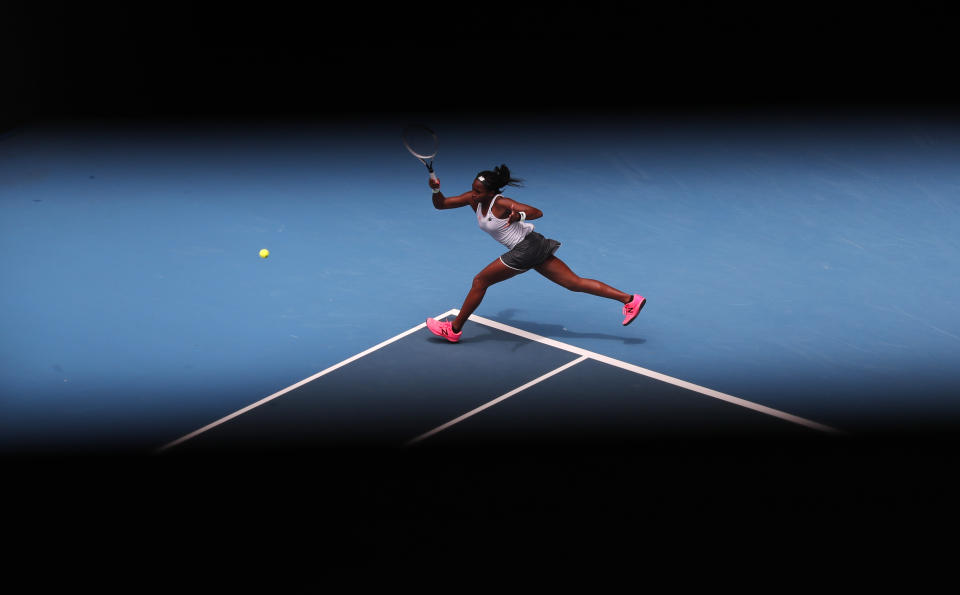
(506, 221)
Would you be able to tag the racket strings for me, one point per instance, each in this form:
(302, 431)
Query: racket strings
(421, 141)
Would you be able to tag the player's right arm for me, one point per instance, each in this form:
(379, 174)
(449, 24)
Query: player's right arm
(449, 202)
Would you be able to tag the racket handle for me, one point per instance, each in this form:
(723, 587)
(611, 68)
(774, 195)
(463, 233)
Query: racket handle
(433, 176)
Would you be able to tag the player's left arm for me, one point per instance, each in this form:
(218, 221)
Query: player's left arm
(518, 207)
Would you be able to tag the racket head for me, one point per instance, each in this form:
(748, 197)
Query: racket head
(421, 141)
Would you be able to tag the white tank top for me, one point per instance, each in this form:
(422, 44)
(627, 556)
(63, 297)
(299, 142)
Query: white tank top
(510, 236)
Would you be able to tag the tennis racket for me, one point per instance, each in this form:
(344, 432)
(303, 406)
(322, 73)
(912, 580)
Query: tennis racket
(422, 143)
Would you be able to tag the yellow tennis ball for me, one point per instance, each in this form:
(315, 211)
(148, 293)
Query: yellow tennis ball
(264, 253)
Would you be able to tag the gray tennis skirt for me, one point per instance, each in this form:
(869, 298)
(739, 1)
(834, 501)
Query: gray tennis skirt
(530, 252)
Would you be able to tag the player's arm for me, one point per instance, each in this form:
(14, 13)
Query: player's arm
(518, 207)
(448, 202)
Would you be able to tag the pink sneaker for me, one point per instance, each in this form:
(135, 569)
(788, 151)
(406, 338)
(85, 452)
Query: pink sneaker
(632, 308)
(443, 329)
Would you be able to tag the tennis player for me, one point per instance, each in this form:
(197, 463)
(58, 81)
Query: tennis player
(506, 220)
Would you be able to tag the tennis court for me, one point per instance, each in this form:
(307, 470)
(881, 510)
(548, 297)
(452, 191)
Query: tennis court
(388, 400)
(800, 268)
(796, 356)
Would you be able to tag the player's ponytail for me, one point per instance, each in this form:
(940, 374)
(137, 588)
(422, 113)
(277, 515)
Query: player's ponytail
(498, 178)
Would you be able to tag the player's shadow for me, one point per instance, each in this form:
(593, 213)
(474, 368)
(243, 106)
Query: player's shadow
(558, 331)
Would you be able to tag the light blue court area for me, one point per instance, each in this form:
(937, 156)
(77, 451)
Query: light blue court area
(799, 264)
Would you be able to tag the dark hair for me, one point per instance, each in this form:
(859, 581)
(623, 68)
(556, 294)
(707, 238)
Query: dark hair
(498, 178)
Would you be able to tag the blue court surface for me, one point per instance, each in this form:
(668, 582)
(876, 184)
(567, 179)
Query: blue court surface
(801, 265)
(800, 272)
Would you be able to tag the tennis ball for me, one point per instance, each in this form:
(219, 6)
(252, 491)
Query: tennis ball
(264, 253)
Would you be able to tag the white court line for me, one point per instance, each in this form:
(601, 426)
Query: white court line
(585, 354)
(656, 375)
(299, 384)
(495, 401)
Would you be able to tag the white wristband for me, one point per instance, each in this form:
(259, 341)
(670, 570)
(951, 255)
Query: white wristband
(523, 216)
(436, 190)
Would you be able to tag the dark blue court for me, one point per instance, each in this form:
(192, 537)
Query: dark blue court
(559, 394)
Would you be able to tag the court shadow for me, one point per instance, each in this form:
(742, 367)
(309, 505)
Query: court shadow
(557, 331)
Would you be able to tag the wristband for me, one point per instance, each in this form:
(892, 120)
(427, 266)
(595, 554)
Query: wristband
(436, 190)
(523, 216)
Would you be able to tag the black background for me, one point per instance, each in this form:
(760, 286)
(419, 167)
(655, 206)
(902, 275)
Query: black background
(284, 59)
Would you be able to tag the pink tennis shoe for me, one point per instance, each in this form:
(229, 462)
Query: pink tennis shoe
(443, 329)
(632, 308)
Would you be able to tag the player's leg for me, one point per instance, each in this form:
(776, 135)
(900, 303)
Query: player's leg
(557, 271)
(494, 272)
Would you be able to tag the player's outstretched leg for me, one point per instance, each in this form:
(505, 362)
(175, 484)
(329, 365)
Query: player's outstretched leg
(557, 271)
